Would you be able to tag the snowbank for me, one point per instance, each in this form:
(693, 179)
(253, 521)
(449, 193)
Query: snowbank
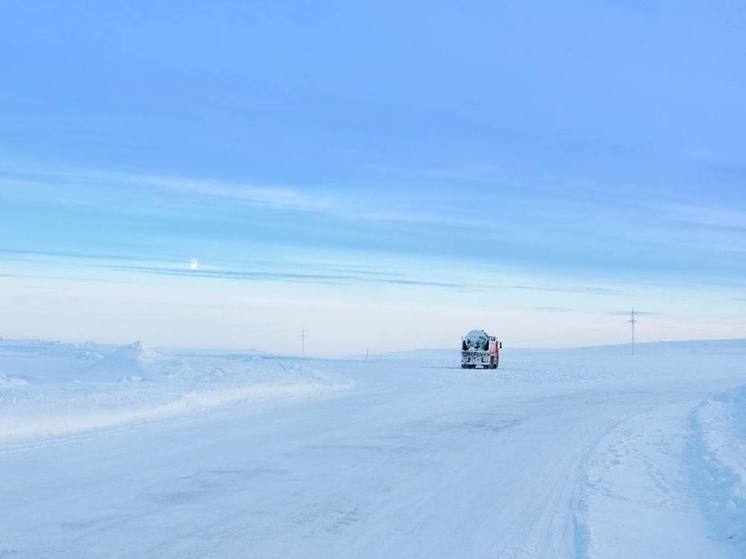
(50, 390)
(718, 452)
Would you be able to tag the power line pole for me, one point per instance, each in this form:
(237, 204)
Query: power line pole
(633, 323)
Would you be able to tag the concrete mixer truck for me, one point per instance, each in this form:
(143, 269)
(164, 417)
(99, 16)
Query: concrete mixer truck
(479, 349)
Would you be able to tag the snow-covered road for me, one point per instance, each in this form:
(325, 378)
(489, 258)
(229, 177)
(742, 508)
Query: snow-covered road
(587, 453)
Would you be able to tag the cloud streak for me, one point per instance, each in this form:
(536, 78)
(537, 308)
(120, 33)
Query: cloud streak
(707, 216)
(569, 290)
(282, 198)
(291, 277)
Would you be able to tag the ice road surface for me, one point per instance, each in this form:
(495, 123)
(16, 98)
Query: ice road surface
(120, 452)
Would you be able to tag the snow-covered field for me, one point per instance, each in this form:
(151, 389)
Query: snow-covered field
(138, 452)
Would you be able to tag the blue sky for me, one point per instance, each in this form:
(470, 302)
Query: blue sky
(384, 175)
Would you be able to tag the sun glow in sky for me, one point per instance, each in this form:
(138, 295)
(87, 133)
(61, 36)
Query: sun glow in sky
(387, 176)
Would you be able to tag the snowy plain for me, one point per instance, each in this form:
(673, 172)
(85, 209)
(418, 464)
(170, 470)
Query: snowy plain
(131, 451)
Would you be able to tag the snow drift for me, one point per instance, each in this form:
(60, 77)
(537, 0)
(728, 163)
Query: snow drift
(58, 389)
(136, 362)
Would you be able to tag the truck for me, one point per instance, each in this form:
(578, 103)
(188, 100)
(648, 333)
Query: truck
(479, 349)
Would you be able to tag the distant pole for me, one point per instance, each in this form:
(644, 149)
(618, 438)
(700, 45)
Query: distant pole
(633, 323)
(303, 341)
(366, 353)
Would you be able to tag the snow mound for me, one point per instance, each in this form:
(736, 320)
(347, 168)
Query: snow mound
(136, 362)
(88, 356)
(8, 382)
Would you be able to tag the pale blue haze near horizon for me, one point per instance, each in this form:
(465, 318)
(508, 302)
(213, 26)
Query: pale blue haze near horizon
(385, 175)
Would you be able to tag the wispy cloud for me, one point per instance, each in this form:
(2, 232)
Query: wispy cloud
(291, 277)
(25, 254)
(579, 289)
(260, 196)
(271, 197)
(709, 216)
(288, 198)
(263, 196)
(270, 270)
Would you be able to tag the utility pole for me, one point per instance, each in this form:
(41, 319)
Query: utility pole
(633, 323)
(303, 341)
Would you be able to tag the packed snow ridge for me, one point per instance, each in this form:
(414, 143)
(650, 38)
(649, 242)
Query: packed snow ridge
(719, 459)
(51, 389)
